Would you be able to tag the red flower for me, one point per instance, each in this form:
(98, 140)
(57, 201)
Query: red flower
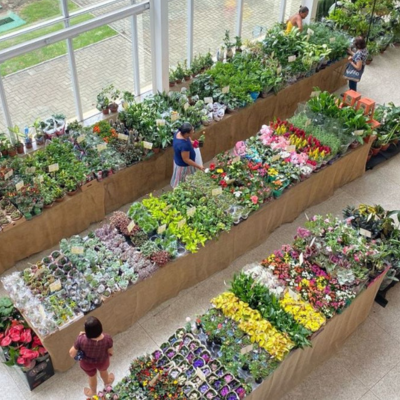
(223, 183)
(26, 336)
(254, 199)
(5, 341)
(212, 167)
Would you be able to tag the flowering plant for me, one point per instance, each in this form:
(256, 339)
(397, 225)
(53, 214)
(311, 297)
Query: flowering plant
(105, 131)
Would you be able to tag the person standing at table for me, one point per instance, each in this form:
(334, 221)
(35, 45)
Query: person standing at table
(93, 350)
(297, 19)
(184, 155)
(357, 62)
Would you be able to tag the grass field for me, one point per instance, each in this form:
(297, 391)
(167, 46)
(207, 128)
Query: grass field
(40, 10)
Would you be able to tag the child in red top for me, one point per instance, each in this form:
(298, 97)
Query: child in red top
(97, 347)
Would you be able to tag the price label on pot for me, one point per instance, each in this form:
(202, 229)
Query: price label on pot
(365, 233)
(310, 31)
(216, 192)
(160, 122)
(77, 249)
(200, 374)
(147, 145)
(9, 174)
(38, 179)
(80, 138)
(208, 100)
(19, 185)
(55, 286)
(246, 349)
(332, 39)
(101, 147)
(315, 93)
(301, 258)
(54, 167)
(358, 133)
(175, 116)
(225, 89)
(186, 106)
(279, 70)
(291, 148)
(31, 170)
(181, 223)
(161, 229)
(190, 212)
(131, 226)
(308, 122)
(292, 59)
(121, 136)
(276, 157)
(236, 159)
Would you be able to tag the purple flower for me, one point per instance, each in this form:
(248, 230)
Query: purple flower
(303, 232)
(224, 391)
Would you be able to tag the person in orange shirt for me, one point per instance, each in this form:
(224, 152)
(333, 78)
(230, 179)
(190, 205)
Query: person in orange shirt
(297, 19)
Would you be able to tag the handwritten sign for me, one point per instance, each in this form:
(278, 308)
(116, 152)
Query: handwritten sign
(9, 174)
(31, 170)
(365, 233)
(191, 211)
(131, 226)
(315, 93)
(167, 208)
(332, 39)
(160, 122)
(225, 89)
(38, 179)
(279, 70)
(301, 258)
(147, 145)
(359, 132)
(101, 147)
(273, 54)
(19, 185)
(208, 100)
(77, 249)
(175, 116)
(293, 294)
(80, 138)
(308, 122)
(236, 159)
(276, 157)
(54, 167)
(310, 31)
(186, 106)
(161, 229)
(292, 59)
(291, 148)
(121, 136)
(216, 192)
(200, 374)
(55, 286)
(181, 223)
(246, 349)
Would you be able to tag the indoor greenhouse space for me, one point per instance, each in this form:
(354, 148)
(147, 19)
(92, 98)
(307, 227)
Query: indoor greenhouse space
(267, 273)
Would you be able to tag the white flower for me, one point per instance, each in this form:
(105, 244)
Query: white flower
(207, 170)
(237, 194)
(188, 319)
(226, 178)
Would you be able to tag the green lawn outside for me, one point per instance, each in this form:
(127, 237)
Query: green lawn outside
(39, 11)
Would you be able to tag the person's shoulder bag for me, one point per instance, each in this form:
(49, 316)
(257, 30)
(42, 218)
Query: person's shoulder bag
(353, 74)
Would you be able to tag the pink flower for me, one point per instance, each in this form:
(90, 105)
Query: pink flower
(26, 336)
(5, 341)
(254, 199)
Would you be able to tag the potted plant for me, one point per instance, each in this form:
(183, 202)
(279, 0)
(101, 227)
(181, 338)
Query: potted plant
(172, 78)
(238, 44)
(187, 71)
(39, 125)
(179, 73)
(228, 45)
(114, 95)
(5, 145)
(103, 102)
(15, 135)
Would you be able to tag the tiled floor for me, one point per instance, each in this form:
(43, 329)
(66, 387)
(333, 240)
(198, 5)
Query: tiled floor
(368, 365)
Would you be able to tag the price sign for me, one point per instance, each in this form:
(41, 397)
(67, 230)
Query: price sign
(332, 39)
(39, 179)
(225, 89)
(365, 233)
(310, 31)
(312, 242)
(9, 174)
(273, 54)
(54, 167)
(236, 159)
(31, 170)
(55, 286)
(301, 258)
(292, 59)
(216, 192)
(167, 208)
(121, 136)
(358, 133)
(175, 116)
(41, 311)
(276, 157)
(161, 229)
(200, 374)
(19, 185)
(80, 138)
(154, 380)
(190, 211)
(160, 122)
(246, 349)
(147, 145)
(101, 147)
(279, 70)
(186, 106)
(77, 249)
(291, 148)
(131, 226)
(293, 294)
(208, 100)
(308, 122)
(315, 93)
(181, 223)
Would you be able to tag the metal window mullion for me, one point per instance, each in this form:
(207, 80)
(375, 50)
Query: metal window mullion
(135, 54)
(282, 11)
(4, 105)
(190, 28)
(72, 64)
(239, 17)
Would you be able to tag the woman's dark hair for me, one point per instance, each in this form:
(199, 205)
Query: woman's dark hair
(93, 328)
(359, 42)
(185, 128)
(303, 10)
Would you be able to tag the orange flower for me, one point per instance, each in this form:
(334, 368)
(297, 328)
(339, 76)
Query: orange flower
(96, 129)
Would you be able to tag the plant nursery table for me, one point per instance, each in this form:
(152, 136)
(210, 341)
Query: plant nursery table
(78, 212)
(123, 309)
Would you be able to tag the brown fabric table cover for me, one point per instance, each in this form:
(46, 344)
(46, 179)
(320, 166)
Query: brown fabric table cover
(123, 309)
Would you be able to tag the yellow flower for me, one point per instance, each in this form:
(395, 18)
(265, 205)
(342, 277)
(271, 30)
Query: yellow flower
(144, 383)
(220, 170)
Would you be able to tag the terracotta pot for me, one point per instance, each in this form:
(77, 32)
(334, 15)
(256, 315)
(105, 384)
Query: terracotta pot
(368, 62)
(171, 84)
(187, 78)
(178, 81)
(366, 139)
(49, 205)
(156, 150)
(105, 111)
(113, 108)
(4, 152)
(375, 150)
(12, 152)
(72, 193)
(28, 145)
(385, 147)
(60, 199)
(395, 141)
(20, 149)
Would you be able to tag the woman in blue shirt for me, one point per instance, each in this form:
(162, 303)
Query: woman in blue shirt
(184, 155)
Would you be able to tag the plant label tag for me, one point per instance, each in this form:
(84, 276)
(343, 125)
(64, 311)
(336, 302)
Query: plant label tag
(101, 147)
(154, 380)
(161, 229)
(31, 170)
(225, 89)
(38, 179)
(301, 258)
(292, 59)
(312, 241)
(80, 139)
(279, 70)
(236, 159)
(200, 374)
(77, 249)
(167, 208)
(365, 233)
(147, 145)
(175, 116)
(190, 212)
(359, 132)
(316, 93)
(276, 157)
(121, 136)
(293, 294)
(310, 31)
(19, 185)
(229, 181)
(41, 311)
(217, 191)
(208, 100)
(291, 148)
(9, 174)
(273, 54)
(54, 167)
(186, 106)
(131, 226)
(246, 349)
(160, 122)
(332, 39)
(308, 122)
(181, 223)
(55, 286)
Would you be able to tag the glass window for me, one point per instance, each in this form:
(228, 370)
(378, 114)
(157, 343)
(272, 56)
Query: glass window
(292, 7)
(178, 38)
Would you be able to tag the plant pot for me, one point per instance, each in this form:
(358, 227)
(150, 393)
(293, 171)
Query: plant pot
(369, 156)
(60, 199)
(105, 111)
(254, 95)
(375, 150)
(171, 84)
(178, 81)
(156, 150)
(20, 149)
(4, 152)
(72, 192)
(40, 141)
(277, 193)
(113, 107)
(29, 145)
(368, 62)
(187, 78)
(385, 147)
